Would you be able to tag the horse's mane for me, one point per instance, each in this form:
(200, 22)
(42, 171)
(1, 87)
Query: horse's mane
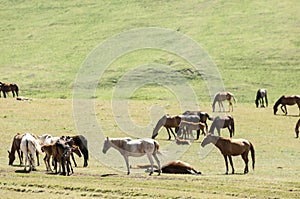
(278, 101)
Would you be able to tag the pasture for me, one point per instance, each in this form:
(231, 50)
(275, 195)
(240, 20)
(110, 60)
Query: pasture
(255, 44)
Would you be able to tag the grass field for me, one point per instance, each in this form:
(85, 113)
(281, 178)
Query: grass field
(254, 44)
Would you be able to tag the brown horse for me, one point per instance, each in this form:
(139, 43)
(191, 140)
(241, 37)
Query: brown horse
(168, 122)
(222, 96)
(179, 167)
(15, 146)
(231, 147)
(286, 100)
(81, 142)
(223, 122)
(5, 88)
(260, 95)
(297, 128)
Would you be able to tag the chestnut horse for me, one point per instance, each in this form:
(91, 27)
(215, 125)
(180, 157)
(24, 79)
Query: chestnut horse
(168, 122)
(231, 147)
(5, 88)
(136, 148)
(223, 122)
(297, 128)
(222, 96)
(179, 167)
(286, 100)
(260, 95)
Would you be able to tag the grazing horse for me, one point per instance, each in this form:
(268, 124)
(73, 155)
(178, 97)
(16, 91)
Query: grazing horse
(178, 167)
(168, 122)
(223, 122)
(29, 146)
(260, 95)
(286, 100)
(231, 147)
(15, 146)
(222, 96)
(297, 128)
(204, 116)
(5, 88)
(136, 148)
(81, 142)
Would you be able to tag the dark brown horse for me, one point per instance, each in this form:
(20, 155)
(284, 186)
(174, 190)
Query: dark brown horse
(178, 167)
(260, 96)
(81, 142)
(231, 147)
(5, 88)
(223, 122)
(297, 128)
(168, 122)
(286, 100)
(222, 96)
(15, 146)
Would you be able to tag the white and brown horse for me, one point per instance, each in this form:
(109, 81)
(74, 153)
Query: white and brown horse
(222, 96)
(261, 94)
(136, 148)
(231, 147)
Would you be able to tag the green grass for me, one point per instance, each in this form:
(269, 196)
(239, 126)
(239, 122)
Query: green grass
(253, 43)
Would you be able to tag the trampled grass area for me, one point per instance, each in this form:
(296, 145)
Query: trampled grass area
(254, 44)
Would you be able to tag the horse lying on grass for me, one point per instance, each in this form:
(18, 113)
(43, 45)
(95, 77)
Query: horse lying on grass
(231, 147)
(136, 148)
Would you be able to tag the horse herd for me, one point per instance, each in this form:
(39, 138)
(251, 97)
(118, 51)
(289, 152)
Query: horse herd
(62, 148)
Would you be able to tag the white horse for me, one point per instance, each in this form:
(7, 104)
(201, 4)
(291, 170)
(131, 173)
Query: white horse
(29, 146)
(136, 148)
(46, 139)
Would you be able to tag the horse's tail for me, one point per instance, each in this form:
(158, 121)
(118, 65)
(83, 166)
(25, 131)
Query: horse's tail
(208, 117)
(234, 99)
(232, 125)
(156, 147)
(252, 155)
(266, 98)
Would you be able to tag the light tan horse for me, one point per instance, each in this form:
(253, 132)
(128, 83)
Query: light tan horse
(136, 148)
(189, 127)
(286, 100)
(297, 128)
(168, 122)
(231, 147)
(222, 96)
(225, 121)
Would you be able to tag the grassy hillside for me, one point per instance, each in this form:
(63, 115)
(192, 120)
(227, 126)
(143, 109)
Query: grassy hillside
(254, 44)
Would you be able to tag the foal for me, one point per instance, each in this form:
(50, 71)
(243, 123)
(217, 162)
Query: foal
(231, 147)
(190, 126)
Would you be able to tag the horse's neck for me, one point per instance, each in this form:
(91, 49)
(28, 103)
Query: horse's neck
(118, 143)
(159, 124)
(219, 142)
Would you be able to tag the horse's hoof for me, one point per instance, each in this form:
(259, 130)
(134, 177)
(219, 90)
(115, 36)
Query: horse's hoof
(150, 173)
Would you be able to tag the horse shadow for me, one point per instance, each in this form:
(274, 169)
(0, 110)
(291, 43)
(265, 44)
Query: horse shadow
(22, 171)
(287, 115)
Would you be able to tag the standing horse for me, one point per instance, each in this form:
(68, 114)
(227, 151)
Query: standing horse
(168, 122)
(260, 95)
(231, 147)
(5, 88)
(286, 100)
(222, 96)
(223, 122)
(204, 116)
(135, 148)
(297, 128)
(29, 146)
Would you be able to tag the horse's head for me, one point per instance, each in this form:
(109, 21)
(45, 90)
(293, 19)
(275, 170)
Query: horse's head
(275, 109)
(209, 138)
(106, 145)
(11, 157)
(75, 149)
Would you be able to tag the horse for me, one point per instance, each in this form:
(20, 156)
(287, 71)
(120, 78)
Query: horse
(222, 96)
(81, 142)
(178, 167)
(204, 116)
(297, 128)
(223, 122)
(5, 88)
(15, 146)
(29, 146)
(286, 100)
(190, 126)
(168, 122)
(260, 95)
(136, 148)
(231, 147)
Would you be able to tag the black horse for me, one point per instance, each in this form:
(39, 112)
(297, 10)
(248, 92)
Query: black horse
(5, 88)
(81, 142)
(260, 95)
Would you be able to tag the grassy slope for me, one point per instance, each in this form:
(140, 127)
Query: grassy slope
(254, 44)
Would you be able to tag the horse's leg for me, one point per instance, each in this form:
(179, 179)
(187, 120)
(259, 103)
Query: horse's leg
(37, 157)
(219, 130)
(226, 164)
(169, 134)
(231, 163)
(45, 161)
(198, 134)
(73, 158)
(20, 157)
(4, 94)
(127, 164)
(26, 159)
(230, 131)
(151, 162)
(282, 108)
(230, 104)
(172, 133)
(245, 158)
(157, 161)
